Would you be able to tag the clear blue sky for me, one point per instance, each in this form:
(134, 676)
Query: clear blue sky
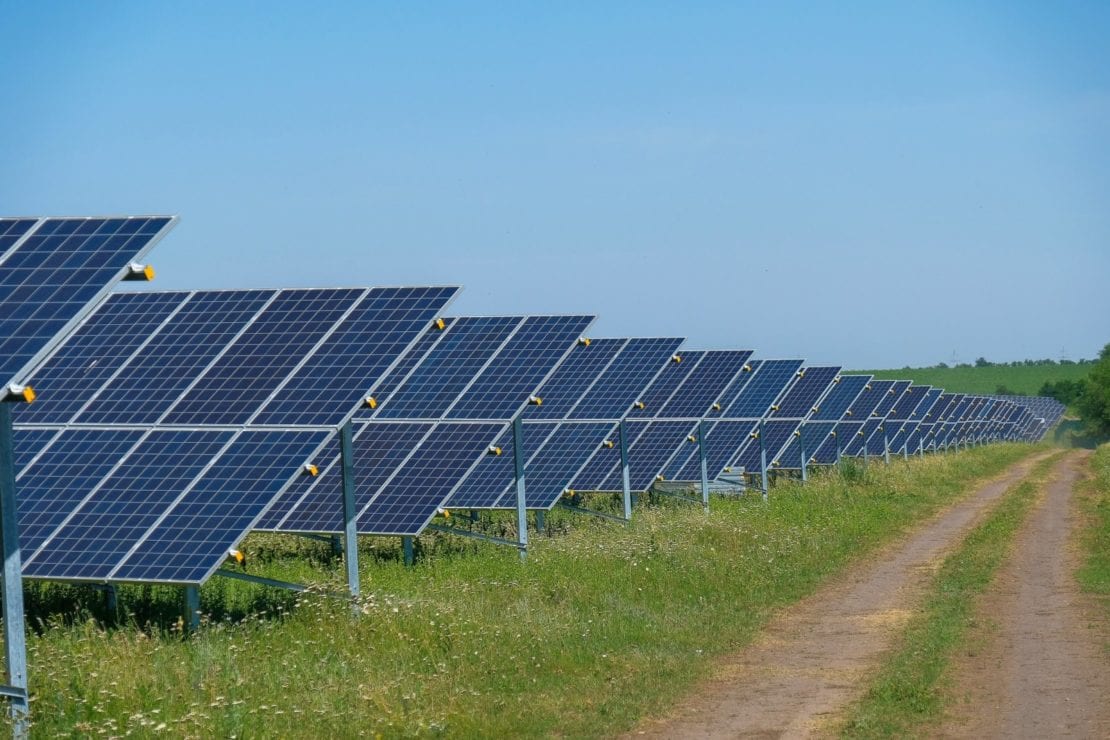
(862, 184)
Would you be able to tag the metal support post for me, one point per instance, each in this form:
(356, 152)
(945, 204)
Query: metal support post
(350, 515)
(336, 544)
(191, 615)
(886, 446)
(626, 484)
(111, 598)
(839, 451)
(521, 491)
(540, 520)
(802, 447)
(702, 455)
(406, 550)
(15, 639)
(762, 460)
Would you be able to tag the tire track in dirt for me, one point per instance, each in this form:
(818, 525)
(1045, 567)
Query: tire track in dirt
(811, 659)
(1040, 671)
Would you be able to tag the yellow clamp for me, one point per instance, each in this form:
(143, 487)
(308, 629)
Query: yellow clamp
(849, 413)
(584, 341)
(660, 477)
(311, 469)
(371, 402)
(716, 407)
(747, 368)
(239, 558)
(797, 432)
(535, 400)
(494, 450)
(20, 393)
(639, 405)
(774, 407)
(446, 513)
(440, 324)
(676, 359)
(867, 387)
(691, 438)
(802, 373)
(608, 444)
(143, 273)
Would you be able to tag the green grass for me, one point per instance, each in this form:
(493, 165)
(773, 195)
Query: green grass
(602, 625)
(1024, 380)
(909, 689)
(1094, 575)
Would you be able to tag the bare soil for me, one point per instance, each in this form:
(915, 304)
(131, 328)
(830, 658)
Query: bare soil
(813, 658)
(1037, 667)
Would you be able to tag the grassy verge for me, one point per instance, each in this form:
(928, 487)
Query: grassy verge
(908, 690)
(1094, 575)
(602, 625)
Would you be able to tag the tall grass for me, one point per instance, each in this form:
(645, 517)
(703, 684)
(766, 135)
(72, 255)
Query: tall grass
(1094, 575)
(602, 625)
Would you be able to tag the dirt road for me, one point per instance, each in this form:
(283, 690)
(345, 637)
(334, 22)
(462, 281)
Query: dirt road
(1040, 670)
(812, 659)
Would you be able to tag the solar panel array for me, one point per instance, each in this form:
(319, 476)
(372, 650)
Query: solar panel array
(169, 424)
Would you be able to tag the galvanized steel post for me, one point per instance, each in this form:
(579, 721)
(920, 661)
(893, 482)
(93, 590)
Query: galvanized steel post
(350, 514)
(626, 480)
(15, 639)
(702, 455)
(521, 498)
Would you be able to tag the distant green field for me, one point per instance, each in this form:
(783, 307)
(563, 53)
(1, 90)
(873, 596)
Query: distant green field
(1024, 379)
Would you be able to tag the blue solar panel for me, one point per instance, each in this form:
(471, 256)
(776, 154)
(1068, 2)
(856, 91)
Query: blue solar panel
(908, 402)
(410, 499)
(526, 360)
(714, 372)
(12, 230)
(573, 377)
(92, 354)
(840, 398)
(50, 275)
(62, 476)
(379, 449)
(768, 382)
(664, 385)
(193, 538)
(488, 480)
(337, 376)
(626, 379)
(396, 376)
(806, 392)
(156, 376)
(466, 347)
(722, 441)
(550, 470)
(254, 366)
(775, 435)
(653, 446)
(27, 443)
(124, 505)
(859, 441)
(813, 434)
(840, 438)
(898, 439)
(894, 393)
(871, 396)
(323, 503)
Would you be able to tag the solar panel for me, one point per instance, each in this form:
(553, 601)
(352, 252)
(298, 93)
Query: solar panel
(722, 440)
(841, 436)
(841, 397)
(467, 346)
(94, 353)
(806, 392)
(768, 382)
(53, 271)
(156, 375)
(664, 385)
(655, 443)
(520, 367)
(573, 377)
(858, 446)
(813, 434)
(775, 435)
(908, 402)
(555, 464)
(703, 387)
(625, 380)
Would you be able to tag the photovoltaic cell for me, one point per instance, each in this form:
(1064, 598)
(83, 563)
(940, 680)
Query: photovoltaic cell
(550, 470)
(156, 376)
(468, 344)
(768, 382)
(722, 440)
(124, 505)
(253, 367)
(504, 386)
(410, 499)
(389, 384)
(775, 435)
(665, 384)
(625, 380)
(908, 402)
(50, 274)
(897, 389)
(573, 376)
(339, 373)
(805, 393)
(649, 453)
(813, 434)
(714, 372)
(840, 398)
(51, 487)
(93, 353)
(211, 517)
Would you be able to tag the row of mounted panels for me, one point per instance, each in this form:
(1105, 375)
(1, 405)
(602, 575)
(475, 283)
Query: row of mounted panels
(169, 424)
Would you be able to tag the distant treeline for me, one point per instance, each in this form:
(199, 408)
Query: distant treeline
(984, 362)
